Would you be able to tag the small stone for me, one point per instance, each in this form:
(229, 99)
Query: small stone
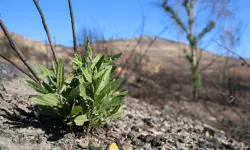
(138, 143)
(156, 142)
(149, 122)
(130, 116)
(131, 135)
(146, 139)
(180, 140)
(83, 143)
(135, 128)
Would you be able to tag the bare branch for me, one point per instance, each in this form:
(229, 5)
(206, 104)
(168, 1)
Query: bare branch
(244, 61)
(46, 29)
(134, 48)
(232, 98)
(174, 15)
(17, 50)
(18, 67)
(73, 25)
(209, 64)
(146, 50)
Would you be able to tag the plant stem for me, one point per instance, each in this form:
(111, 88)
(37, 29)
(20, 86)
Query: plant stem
(17, 50)
(18, 67)
(46, 29)
(73, 25)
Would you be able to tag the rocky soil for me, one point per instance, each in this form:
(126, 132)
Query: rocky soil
(143, 126)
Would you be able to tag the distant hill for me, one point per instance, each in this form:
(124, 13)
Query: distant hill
(161, 53)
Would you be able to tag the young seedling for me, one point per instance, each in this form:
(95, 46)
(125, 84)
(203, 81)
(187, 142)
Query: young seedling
(86, 97)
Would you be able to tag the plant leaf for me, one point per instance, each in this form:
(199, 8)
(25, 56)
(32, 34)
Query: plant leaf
(96, 123)
(104, 80)
(76, 110)
(116, 115)
(73, 93)
(112, 86)
(69, 78)
(53, 67)
(37, 87)
(83, 92)
(60, 74)
(86, 74)
(96, 60)
(47, 73)
(46, 100)
(48, 87)
(113, 57)
(88, 48)
(80, 120)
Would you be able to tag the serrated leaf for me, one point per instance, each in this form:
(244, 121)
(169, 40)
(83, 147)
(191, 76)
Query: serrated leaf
(112, 86)
(113, 101)
(47, 73)
(104, 80)
(80, 120)
(50, 100)
(53, 67)
(69, 78)
(88, 48)
(113, 57)
(104, 65)
(83, 92)
(116, 115)
(73, 93)
(37, 87)
(48, 110)
(87, 75)
(96, 60)
(96, 123)
(48, 87)
(60, 74)
(76, 110)
(99, 74)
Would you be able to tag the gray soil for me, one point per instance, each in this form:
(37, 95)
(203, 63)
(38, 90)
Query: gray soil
(142, 126)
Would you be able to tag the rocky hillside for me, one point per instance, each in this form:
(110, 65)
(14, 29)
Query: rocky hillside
(143, 126)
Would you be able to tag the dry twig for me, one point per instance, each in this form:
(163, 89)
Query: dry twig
(18, 52)
(73, 25)
(18, 67)
(232, 98)
(241, 58)
(45, 28)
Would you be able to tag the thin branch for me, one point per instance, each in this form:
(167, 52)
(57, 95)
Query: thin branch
(209, 64)
(175, 17)
(17, 50)
(18, 67)
(73, 25)
(244, 61)
(146, 50)
(135, 46)
(46, 29)
(232, 98)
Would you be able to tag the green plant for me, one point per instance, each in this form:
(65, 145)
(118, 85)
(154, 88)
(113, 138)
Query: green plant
(87, 96)
(193, 55)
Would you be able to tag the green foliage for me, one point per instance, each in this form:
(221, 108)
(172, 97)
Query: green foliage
(192, 38)
(85, 97)
(197, 81)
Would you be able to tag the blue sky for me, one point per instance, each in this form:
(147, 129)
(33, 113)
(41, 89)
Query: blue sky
(116, 19)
